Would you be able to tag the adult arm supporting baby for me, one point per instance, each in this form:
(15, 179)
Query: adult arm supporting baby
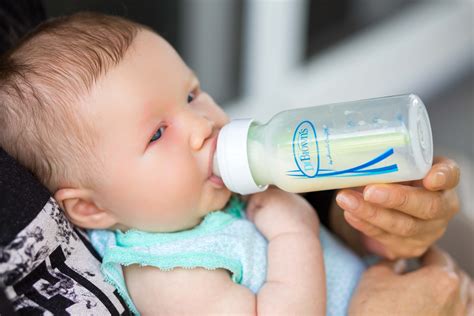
(295, 276)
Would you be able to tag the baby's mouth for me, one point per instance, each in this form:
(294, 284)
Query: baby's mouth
(213, 171)
(218, 181)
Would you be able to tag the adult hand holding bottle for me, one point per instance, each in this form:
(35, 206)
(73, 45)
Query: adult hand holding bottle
(399, 220)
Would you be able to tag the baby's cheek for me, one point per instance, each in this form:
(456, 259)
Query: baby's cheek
(184, 176)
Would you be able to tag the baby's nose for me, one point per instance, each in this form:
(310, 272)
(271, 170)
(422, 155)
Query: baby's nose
(200, 132)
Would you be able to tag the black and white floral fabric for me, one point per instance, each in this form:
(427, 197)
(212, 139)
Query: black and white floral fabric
(50, 268)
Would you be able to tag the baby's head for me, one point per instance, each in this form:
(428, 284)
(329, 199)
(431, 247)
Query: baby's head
(106, 114)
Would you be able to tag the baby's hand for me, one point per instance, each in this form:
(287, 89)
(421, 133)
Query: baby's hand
(277, 212)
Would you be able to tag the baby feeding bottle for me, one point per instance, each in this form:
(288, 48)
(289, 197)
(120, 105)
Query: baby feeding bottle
(325, 147)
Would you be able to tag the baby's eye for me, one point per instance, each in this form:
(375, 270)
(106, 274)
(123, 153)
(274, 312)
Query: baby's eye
(191, 97)
(157, 135)
(194, 93)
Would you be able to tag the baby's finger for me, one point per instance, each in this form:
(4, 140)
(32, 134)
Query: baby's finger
(414, 201)
(443, 175)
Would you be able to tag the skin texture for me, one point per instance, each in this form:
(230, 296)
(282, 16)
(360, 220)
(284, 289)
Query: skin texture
(159, 186)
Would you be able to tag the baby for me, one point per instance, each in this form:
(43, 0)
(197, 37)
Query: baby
(115, 125)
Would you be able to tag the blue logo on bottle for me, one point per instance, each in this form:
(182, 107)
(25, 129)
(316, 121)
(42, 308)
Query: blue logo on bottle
(308, 161)
(305, 149)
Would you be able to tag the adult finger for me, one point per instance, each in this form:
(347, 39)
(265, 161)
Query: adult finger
(452, 278)
(363, 226)
(466, 289)
(413, 201)
(442, 271)
(391, 221)
(443, 175)
(373, 238)
(381, 243)
(470, 304)
(437, 257)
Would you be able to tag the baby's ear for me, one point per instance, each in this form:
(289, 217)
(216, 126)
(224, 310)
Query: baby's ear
(81, 209)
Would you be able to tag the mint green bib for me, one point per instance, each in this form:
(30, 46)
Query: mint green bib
(223, 240)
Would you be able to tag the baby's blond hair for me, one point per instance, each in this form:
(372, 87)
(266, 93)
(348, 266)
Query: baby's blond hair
(43, 83)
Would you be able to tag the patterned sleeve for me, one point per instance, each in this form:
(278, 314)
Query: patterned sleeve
(47, 266)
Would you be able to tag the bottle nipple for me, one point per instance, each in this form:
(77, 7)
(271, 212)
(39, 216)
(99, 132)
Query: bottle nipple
(215, 166)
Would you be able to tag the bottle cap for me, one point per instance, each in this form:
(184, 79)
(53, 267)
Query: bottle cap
(232, 158)
(421, 135)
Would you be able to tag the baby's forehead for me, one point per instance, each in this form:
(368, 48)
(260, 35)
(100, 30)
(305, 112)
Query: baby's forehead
(151, 48)
(137, 94)
(150, 66)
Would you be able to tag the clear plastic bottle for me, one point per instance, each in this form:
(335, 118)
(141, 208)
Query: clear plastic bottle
(328, 146)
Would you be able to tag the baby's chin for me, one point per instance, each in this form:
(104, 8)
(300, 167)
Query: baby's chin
(214, 201)
(220, 200)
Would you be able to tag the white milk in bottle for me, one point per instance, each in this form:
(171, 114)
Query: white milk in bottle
(328, 146)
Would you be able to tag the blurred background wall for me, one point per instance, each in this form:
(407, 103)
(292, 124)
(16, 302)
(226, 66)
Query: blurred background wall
(258, 57)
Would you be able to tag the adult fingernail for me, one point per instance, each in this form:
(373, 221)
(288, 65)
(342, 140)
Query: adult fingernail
(377, 195)
(439, 179)
(348, 201)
